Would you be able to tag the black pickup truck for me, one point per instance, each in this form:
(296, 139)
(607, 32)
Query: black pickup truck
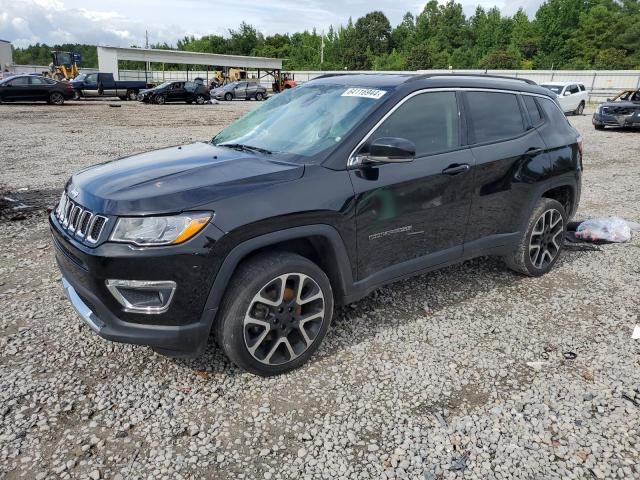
(103, 85)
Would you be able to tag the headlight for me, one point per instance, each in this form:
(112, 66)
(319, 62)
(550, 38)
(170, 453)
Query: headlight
(599, 109)
(170, 230)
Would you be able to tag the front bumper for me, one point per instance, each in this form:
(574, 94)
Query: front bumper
(612, 120)
(181, 330)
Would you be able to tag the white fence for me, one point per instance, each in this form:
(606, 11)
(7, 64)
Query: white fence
(599, 83)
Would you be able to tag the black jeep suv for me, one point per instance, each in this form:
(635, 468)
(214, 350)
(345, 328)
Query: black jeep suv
(312, 199)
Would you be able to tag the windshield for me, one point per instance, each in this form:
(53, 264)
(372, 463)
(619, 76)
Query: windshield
(81, 77)
(303, 120)
(557, 89)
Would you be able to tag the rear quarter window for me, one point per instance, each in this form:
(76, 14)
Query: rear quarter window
(554, 115)
(493, 116)
(532, 108)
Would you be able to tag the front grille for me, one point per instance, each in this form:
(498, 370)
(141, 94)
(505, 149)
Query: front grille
(79, 221)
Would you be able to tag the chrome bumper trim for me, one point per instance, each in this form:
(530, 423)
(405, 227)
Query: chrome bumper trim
(83, 310)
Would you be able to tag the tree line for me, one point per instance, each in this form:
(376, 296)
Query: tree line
(563, 34)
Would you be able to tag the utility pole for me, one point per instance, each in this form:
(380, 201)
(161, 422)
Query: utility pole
(146, 45)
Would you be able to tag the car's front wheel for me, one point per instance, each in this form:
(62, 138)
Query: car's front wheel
(200, 99)
(259, 96)
(580, 109)
(160, 99)
(275, 313)
(228, 97)
(541, 243)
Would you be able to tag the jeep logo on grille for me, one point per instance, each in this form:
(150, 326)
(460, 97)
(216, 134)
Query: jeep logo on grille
(73, 193)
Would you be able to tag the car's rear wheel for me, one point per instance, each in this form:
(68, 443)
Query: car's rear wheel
(541, 244)
(275, 314)
(77, 95)
(132, 95)
(56, 98)
(160, 99)
(228, 97)
(259, 96)
(580, 109)
(200, 99)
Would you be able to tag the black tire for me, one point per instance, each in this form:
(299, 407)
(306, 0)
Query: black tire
(159, 99)
(275, 275)
(540, 230)
(200, 99)
(77, 95)
(228, 96)
(189, 102)
(131, 95)
(580, 109)
(56, 98)
(599, 127)
(124, 99)
(259, 96)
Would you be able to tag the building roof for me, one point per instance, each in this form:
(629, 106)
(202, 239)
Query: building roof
(4, 41)
(192, 58)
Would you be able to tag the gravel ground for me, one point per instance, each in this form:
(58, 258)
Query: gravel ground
(459, 373)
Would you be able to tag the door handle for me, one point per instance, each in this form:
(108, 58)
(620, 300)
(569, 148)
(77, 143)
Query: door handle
(534, 151)
(456, 169)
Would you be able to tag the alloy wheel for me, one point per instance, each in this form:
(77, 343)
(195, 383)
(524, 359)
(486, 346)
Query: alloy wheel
(544, 244)
(284, 318)
(200, 100)
(57, 98)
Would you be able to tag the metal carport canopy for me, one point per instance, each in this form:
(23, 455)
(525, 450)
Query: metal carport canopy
(108, 58)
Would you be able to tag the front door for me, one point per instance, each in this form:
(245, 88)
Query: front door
(176, 92)
(18, 89)
(413, 215)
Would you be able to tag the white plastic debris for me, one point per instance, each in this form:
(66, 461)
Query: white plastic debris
(611, 229)
(636, 333)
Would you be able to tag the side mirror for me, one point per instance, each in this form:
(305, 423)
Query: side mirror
(390, 150)
(609, 100)
(567, 93)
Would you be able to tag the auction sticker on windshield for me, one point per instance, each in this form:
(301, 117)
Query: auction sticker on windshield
(364, 93)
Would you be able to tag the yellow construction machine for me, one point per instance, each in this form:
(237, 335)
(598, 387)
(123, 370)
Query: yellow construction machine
(64, 65)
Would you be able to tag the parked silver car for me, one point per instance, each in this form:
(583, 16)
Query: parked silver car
(242, 90)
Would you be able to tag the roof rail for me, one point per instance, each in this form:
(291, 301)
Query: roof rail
(476, 75)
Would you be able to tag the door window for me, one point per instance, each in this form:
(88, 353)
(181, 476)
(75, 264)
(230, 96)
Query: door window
(494, 116)
(429, 120)
(573, 89)
(92, 79)
(38, 81)
(19, 82)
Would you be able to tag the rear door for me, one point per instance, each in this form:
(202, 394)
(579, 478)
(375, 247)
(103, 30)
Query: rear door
(510, 158)
(573, 98)
(415, 213)
(240, 91)
(39, 88)
(252, 89)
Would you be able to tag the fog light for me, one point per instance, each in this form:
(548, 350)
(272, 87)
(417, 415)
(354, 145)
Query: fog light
(143, 296)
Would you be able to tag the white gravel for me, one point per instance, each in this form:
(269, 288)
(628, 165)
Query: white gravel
(459, 373)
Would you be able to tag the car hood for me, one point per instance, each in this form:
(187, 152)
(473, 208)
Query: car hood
(175, 179)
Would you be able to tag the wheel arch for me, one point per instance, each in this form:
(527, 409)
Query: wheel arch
(565, 194)
(322, 244)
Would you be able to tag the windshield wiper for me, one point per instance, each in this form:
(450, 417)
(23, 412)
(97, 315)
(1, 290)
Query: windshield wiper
(243, 147)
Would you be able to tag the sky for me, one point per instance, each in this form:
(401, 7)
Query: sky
(124, 22)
